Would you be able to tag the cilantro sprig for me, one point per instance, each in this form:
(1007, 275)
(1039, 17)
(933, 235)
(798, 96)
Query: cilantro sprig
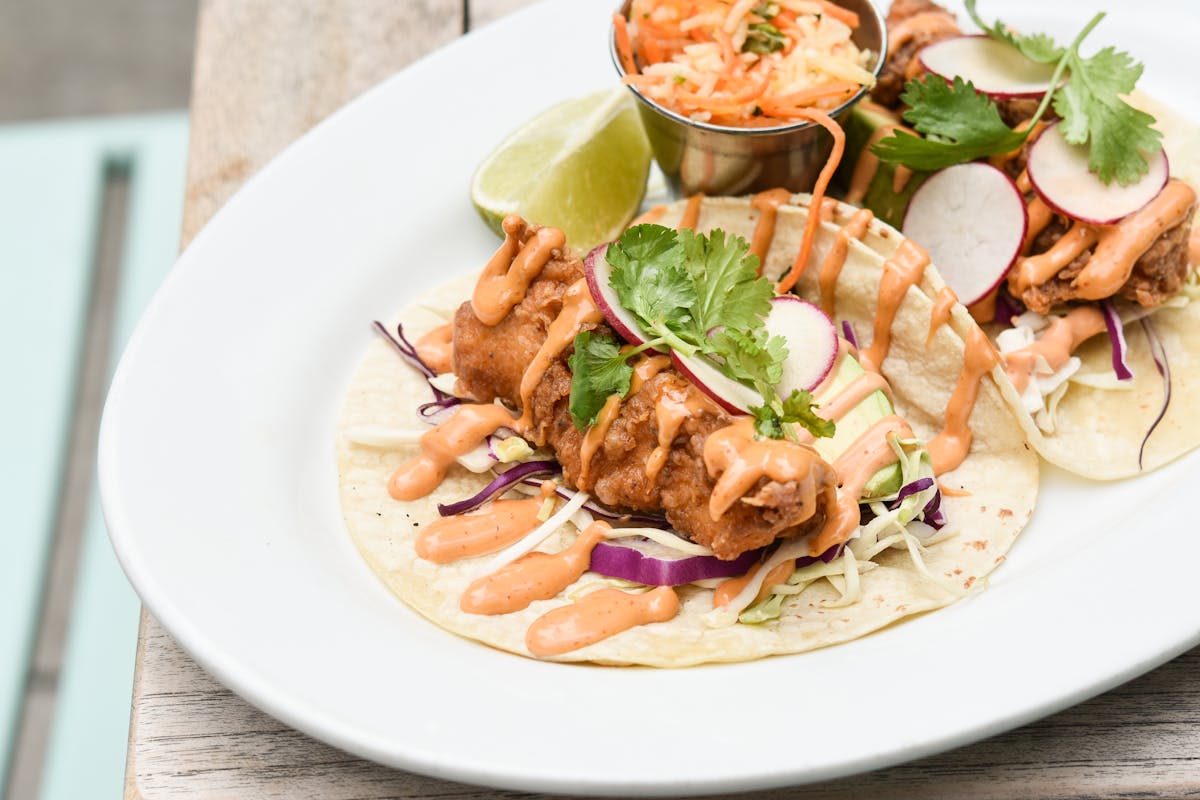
(960, 124)
(701, 296)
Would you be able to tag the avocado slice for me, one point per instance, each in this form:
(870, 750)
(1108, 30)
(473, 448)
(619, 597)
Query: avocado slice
(873, 408)
(885, 203)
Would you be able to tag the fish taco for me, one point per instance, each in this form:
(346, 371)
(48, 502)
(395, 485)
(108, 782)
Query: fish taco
(1064, 220)
(647, 455)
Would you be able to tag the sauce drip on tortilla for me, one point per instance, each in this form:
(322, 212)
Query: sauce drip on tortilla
(649, 216)
(578, 310)
(483, 530)
(940, 315)
(902, 270)
(533, 576)
(436, 349)
(1055, 345)
(510, 270)
(597, 616)
(768, 204)
(835, 259)
(950, 447)
(465, 430)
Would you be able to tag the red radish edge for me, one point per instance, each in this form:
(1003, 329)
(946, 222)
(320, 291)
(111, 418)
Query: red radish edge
(980, 196)
(1058, 172)
(811, 339)
(945, 48)
(725, 392)
(596, 270)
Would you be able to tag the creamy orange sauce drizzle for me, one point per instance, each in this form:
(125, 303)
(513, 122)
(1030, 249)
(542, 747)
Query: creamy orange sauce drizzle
(1024, 184)
(578, 310)
(727, 590)
(484, 530)
(998, 161)
(1120, 246)
(869, 453)
(848, 399)
(597, 616)
(510, 270)
(646, 368)
(594, 437)
(436, 349)
(649, 216)
(673, 406)
(1039, 215)
(942, 306)
(902, 270)
(950, 447)
(948, 491)
(691, 212)
(835, 259)
(1055, 344)
(1036, 270)
(737, 460)
(867, 165)
(533, 576)
(984, 311)
(460, 434)
(768, 204)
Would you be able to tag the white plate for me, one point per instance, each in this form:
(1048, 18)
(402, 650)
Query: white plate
(217, 473)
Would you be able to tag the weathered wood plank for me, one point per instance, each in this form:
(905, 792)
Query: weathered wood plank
(267, 72)
(1142, 740)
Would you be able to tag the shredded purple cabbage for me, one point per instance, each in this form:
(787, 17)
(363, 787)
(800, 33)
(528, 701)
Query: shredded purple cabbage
(1159, 353)
(848, 333)
(498, 486)
(931, 514)
(607, 514)
(1116, 335)
(1007, 307)
(409, 354)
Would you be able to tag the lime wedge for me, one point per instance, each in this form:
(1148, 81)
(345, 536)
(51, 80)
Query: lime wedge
(580, 166)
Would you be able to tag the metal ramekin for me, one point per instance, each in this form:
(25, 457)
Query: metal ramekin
(721, 160)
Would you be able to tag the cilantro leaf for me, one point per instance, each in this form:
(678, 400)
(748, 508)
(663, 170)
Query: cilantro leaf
(650, 278)
(763, 38)
(728, 289)
(799, 407)
(1092, 109)
(767, 422)
(1037, 47)
(598, 370)
(754, 358)
(960, 125)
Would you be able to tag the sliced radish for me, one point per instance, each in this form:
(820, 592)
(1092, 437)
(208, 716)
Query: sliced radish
(597, 271)
(729, 394)
(1059, 173)
(972, 220)
(812, 342)
(995, 68)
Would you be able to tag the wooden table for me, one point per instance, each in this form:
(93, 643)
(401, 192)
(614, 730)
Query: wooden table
(265, 73)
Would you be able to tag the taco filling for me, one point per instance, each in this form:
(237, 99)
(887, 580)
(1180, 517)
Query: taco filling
(1102, 231)
(647, 456)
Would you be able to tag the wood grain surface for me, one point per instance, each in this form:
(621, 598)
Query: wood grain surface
(264, 74)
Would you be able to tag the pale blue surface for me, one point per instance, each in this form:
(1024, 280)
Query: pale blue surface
(50, 178)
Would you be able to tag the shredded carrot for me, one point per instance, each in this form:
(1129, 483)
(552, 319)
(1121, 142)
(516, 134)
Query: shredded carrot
(624, 47)
(708, 59)
(818, 193)
(844, 15)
